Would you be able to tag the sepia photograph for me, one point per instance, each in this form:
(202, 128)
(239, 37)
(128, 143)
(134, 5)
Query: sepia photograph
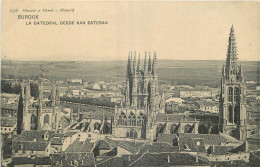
(130, 83)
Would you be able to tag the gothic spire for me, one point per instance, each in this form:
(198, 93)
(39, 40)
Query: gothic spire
(231, 60)
(154, 64)
(145, 64)
(139, 63)
(128, 66)
(53, 94)
(149, 63)
(134, 63)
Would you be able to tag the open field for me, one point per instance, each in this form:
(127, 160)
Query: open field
(181, 72)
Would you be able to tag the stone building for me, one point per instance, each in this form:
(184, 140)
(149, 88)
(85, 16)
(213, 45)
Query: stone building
(136, 117)
(39, 114)
(232, 111)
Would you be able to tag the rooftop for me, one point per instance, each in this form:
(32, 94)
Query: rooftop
(210, 139)
(34, 134)
(168, 159)
(80, 146)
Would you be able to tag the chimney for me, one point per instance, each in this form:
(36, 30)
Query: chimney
(169, 158)
(129, 159)
(197, 158)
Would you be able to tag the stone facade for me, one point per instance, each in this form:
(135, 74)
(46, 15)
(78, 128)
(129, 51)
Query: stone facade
(232, 111)
(38, 114)
(136, 117)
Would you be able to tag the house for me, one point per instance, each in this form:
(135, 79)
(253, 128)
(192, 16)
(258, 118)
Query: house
(32, 143)
(155, 159)
(7, 125)
(31, 161)
(209, 106)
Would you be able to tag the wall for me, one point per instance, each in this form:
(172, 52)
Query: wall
(242, 156)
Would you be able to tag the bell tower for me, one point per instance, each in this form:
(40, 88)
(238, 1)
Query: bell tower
(232, 109)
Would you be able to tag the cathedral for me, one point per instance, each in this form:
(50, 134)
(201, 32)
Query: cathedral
(136, 117)
(39, 114)
(232, 111)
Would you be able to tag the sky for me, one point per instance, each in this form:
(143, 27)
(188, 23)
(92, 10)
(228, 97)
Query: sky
(174, 30)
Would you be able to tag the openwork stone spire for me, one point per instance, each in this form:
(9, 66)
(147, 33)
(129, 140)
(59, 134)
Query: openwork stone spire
(231, 65)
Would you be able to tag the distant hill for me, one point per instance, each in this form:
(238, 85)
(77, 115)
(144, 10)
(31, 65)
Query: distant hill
(191, 72)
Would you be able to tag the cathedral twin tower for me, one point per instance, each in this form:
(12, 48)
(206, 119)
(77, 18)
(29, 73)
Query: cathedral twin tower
(142, 94)
(136, 117)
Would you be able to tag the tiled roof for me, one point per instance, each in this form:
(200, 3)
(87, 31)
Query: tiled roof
(220, 150)
(173, 118)
(98, 115)
(80, 146)
(130, 146)
(187, 144)
(167, 159)
(57, 141)
(56, 159)
(103, 145)
(78, 159)
(23, 160)
(30, 146)
(33, 134)
(31, 160)
(166, 138)
(148, 148)
(42, 161)
(113, 162)
(112, 143)
(209, 139)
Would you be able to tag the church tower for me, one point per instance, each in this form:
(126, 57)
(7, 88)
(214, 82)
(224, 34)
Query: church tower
(136, 118)
(38, 114)
(232, 111)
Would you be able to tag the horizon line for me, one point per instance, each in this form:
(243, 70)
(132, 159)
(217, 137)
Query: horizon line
(112, 60)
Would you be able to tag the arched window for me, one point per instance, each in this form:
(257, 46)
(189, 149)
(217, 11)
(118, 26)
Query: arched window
(230, 94)
(173, 129)
(237, 114)
(133, 133)
(33, 122)
(134, 121)
(46, 119)
(159, 128)
(187, 128)
(129, 121)
(142, 121)
(236, 95)
(230, 114)
(139, 121)
(96, 126)
(203, 129)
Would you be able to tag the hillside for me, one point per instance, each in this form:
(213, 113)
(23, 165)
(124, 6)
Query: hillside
(180, 71)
